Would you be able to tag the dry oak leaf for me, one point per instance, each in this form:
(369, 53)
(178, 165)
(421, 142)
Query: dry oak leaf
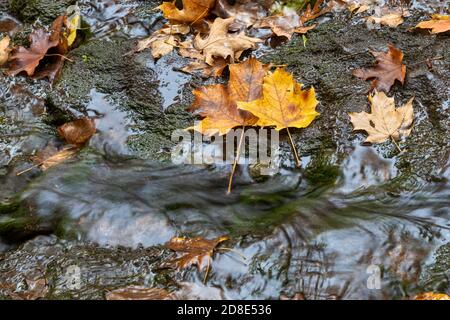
(284, 103)
(77, 132)
(384, 121)
(217, 103)
(432, 296)
(219, 43)
(4, 50)
(194, 251)
(138, 293)
(387, 69)
(193, 10)
(438, 23)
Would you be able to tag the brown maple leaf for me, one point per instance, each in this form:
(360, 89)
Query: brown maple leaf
(42, 43)
(220, 43)
(387, 69)
(194, 251)
(192, 11)
(217, 103)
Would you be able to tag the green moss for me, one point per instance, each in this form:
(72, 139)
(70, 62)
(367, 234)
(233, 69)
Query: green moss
(321, 171)
(44, 10)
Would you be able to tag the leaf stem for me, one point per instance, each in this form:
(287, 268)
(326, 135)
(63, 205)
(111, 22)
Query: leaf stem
(396, 144)
(294, 149)
(207, 270)
(236, 160)
(58, 55)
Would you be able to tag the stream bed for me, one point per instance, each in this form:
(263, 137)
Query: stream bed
(356, 222)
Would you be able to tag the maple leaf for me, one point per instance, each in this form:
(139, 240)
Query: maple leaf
(207, 71)
(42, 44)
(314, 12)
(77, 132)
(4, 50)
(219, 43)
(194, 251)
(193, 10)
(284, 104)
(163, 41)
(217, 103)
(385, 121)
(138, 293)
(438, 23)
(285, 24)
(387, 69)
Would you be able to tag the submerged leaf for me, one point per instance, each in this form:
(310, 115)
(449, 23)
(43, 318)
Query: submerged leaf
(194, 251)
(50, 157)
(432, 296)
(385, 121)
(138, 293)
(193, 10)
(77, 132)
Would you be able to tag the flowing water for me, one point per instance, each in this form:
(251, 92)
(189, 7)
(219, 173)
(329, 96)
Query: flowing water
(331, 237)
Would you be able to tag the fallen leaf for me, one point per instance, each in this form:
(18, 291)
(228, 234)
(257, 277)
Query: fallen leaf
(77, 132)
(207, 71)
(284, 103)
(387, 69)
(314, 12)
(194, 251)
(138, 293)
(245, 12)
(391, 19)
(72, 23)
(163, 41)
(385, 121)
(217, 103)
(4, 50)
(220, 43)
(297, 296)
(37, 289)
(432, 296)
(285, 24)
(438, 23)
(41, 44)
(46, 159)
(193, 10)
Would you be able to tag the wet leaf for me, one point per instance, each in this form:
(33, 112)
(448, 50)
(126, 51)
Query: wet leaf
(72, 23)
(245, 12)
(217, 103)
(391, 19)
(438, 23)
(314, 12)
(432, 296)
(388, 68)
(51, 157)
(163, 41)
(220, 43)
(284, 103)
(138, 293)
(42, 44)
(285, 24)
(194, 251)
(37, 289)
(193, 10)
(384, 121)
(206, 70)
(4, 50)
(77, 132)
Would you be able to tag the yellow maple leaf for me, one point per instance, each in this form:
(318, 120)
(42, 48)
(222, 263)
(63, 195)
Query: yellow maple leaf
(284, 103)
(438, 23)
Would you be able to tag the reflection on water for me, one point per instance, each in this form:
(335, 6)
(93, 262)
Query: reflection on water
(295, 237)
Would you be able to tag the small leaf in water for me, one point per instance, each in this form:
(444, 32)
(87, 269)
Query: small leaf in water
(48, 158)
(194, 251)
(78, 132)
(432, 296)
